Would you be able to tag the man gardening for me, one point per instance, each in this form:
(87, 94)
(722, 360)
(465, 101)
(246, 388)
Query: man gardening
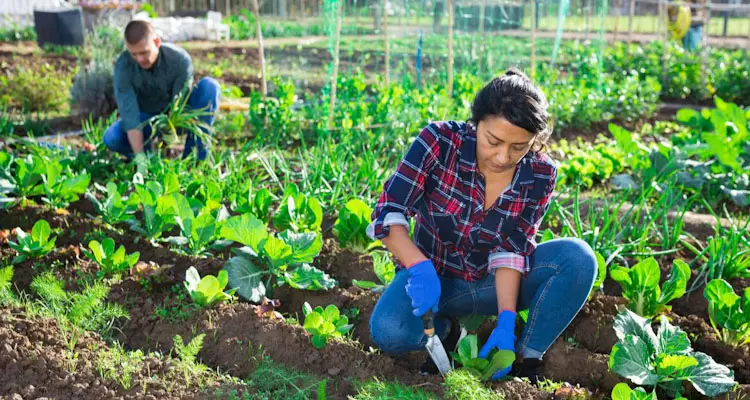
(147, 78)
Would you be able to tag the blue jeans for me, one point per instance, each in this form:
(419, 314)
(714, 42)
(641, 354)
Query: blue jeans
(205, 94)
(692, 38)
(556, 288)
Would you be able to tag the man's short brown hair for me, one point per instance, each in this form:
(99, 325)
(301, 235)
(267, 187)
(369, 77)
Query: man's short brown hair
(138, 30)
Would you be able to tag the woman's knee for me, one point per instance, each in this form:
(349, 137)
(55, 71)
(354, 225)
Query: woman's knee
(579, 259)
(112, 137)
(391, 333)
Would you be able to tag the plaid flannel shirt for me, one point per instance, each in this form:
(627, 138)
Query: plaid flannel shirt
(439, 183)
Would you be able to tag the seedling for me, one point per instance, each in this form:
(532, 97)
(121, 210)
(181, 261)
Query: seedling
(110, 260)
(324, 324)
(209, 289)
(351, 226)
(728, 312)
(39, 243)
(483, 368)
(640, 286)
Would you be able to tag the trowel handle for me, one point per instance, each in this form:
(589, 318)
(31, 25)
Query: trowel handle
(428, 322)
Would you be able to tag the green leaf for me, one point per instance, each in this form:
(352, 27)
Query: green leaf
(40, 232)
(278, 252)
(319, 341)
(622, 391)
(245, 229)
(364, 284)
(306, 309)
(630, 323)
(246, 278)
(331, 313)
(468, 348)
(313, 320)
(672, 339)
(304, 246)
(305, 276)
(630, 359)
(501, 359)
(668, 365)
(208, 287)
(675, 286)
(645, 274)
(709, 377)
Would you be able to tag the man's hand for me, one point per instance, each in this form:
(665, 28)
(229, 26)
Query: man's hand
(423, 286)
(502, 338)
(141, 163)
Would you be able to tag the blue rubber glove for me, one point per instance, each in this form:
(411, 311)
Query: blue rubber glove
(423, 286)
(502, 338)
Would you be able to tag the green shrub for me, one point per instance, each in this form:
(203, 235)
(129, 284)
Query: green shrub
(42, 88)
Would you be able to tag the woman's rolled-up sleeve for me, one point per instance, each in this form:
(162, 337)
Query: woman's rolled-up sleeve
(406, 186)
(517, 245)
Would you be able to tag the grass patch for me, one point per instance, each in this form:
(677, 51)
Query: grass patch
(376, 389)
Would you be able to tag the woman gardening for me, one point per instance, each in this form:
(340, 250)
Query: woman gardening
(478, 192)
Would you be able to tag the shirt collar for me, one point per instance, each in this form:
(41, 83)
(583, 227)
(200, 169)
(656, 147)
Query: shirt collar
(524, 175)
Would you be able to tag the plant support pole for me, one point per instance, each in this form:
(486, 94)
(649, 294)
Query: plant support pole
(450, 47)
(335, 74)
(259, 34)
(533, 39)
(630, 19)
(387, 45)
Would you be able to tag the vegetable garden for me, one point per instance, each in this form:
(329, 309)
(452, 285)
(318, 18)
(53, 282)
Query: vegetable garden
(249, 275)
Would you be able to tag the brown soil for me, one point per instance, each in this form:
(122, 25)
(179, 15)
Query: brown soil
(592, 328)
(34, 364)
(564, 362)
(235, 334)
(345, 265)
(517, 390)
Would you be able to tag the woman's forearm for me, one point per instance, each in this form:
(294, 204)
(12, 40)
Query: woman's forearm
(402, 247)
(507, 282)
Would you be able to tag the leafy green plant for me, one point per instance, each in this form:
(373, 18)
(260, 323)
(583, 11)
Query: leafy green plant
(117, 364)
(61, 189)
(664, 359)
(114, 208)
(622, 391)
(728, 312)
(198, 230)
(385, 270)
(37, 88)
(727, 254)
(640, 285)
(27, 179)
(6, 280)
(110, 260)
(324, 324)
(601, 274)
(483, 368)
(298, 212)
(209, 289)
(159, 208)
(351, 226)
(39, 243)
(285, 256)
(252, 201)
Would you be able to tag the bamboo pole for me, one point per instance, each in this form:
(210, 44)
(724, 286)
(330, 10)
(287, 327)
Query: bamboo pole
(618, 5)
(662, 14)
(449, 4)
(533, 39)
(259, 35)
(704, 43)
(482, 13)
(630, 19)
(335, 74)
(387, 45)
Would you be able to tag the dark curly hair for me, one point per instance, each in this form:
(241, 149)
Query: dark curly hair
(514, 97)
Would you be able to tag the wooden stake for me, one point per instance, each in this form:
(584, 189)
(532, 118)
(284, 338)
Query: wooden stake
(259, 34)
(450, 47)
(533, 39)
(334, 77)
(387, 45)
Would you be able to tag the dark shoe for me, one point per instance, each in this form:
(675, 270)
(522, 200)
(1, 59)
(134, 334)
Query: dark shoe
(455, 334)
(531, 368)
